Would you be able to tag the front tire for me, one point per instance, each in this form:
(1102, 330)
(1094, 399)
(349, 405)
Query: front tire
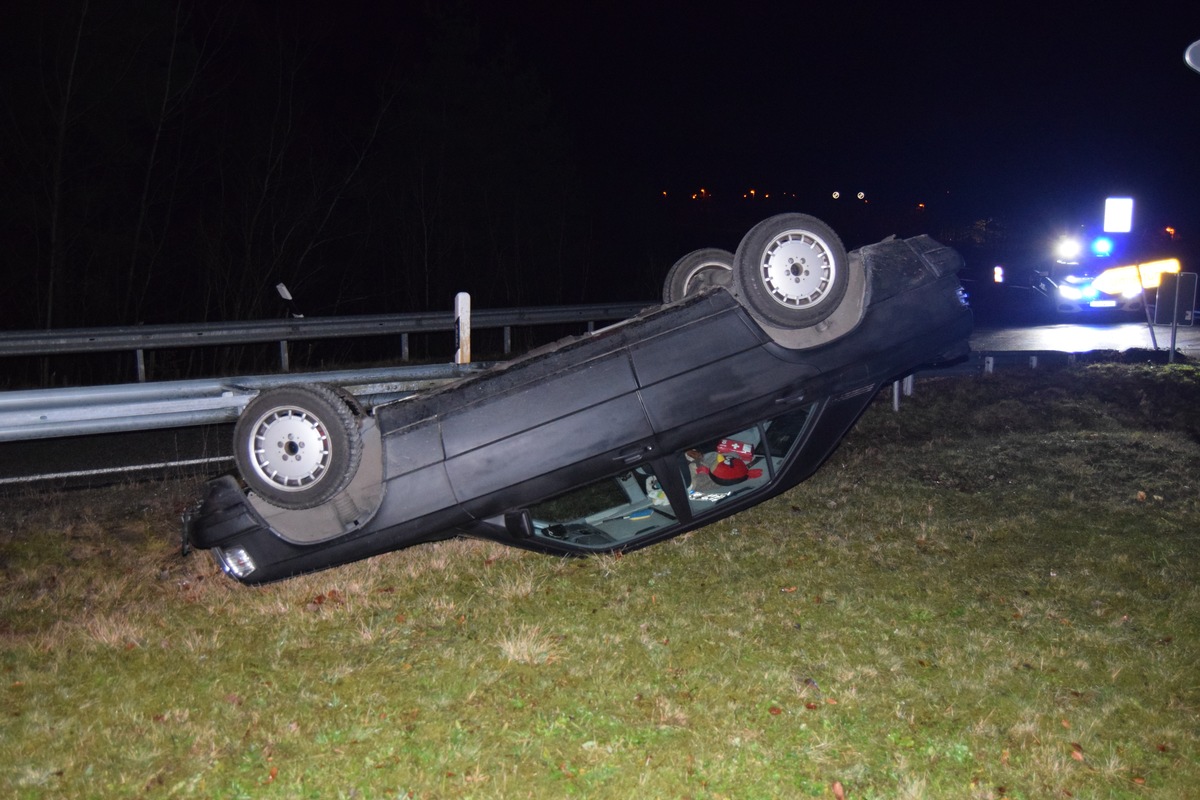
(697, 271)
(791, 270)
(297, 446)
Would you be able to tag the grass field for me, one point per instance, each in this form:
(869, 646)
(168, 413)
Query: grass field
(991, 594)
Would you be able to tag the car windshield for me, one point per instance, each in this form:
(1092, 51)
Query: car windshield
(634, 504)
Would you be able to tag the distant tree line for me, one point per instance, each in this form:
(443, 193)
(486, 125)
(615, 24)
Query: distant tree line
(174, 161)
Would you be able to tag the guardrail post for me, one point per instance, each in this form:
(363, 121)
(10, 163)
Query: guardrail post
(140, 355)
(507, 339)
(462, 328)
(904, 385)
(284, 362)
(1033, 362)
(989, 365)
(404, 347)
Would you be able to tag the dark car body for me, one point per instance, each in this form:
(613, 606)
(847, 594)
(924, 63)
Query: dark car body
(614, 440)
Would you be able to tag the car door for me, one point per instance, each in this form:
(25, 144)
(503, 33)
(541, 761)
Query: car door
(544, 435)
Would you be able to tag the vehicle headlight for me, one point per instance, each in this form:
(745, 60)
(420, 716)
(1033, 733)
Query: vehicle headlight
(234, 560)
(1068, 248)
(1070, 292)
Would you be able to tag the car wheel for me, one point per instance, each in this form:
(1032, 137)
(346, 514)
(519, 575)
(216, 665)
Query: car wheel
(791, 270)
(297, 446)
(697, 271)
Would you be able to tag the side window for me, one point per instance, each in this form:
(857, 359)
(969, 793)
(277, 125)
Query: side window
(607, 513)
(783, 433)
(719, 470)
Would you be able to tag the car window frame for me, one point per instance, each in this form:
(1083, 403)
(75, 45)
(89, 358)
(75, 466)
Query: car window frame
(518, 521)
(676, 489)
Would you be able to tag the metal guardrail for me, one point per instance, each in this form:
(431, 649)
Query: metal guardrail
(157, 337)
(52, 413)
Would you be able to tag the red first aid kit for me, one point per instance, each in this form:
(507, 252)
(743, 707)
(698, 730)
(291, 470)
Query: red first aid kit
(732, 447)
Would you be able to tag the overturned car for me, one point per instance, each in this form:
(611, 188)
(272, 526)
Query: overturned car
(735, 389)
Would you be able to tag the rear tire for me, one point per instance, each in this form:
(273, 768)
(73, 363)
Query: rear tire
(791, 271)
(297, 446)
(697, 271)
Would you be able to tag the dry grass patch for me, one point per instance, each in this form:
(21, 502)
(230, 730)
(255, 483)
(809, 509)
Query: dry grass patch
(528, 644)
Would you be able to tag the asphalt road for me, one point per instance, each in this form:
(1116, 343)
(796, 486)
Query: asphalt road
(102, 460)
(1082, 338)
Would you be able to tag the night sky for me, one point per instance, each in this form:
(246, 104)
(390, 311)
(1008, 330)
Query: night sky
(380, 156)
(1013, 109)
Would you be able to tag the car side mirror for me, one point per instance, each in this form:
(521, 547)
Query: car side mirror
(519, 524)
